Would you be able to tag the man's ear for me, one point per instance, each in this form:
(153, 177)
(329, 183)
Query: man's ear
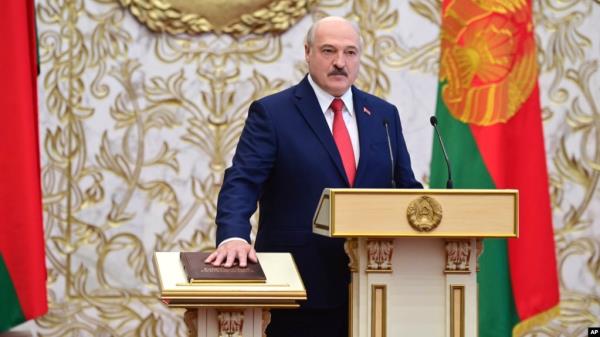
(306, 52)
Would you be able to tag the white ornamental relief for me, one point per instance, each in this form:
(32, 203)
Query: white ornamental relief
(458, 253)
(379, 255)
(231, 323)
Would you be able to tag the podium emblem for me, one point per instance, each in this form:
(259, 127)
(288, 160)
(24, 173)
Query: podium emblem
(424, 214)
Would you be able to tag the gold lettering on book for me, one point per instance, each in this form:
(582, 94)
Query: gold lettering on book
(225, 270)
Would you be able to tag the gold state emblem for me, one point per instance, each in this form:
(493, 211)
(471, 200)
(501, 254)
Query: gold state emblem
(424, 214)
(235, 17)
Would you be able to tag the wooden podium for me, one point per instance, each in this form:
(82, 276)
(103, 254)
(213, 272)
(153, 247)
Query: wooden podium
(413, 255)
(230, 309)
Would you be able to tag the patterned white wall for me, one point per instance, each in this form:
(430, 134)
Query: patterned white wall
(137, 127)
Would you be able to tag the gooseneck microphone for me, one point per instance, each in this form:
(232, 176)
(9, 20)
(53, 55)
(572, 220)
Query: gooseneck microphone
(386, 125)
(433, 120)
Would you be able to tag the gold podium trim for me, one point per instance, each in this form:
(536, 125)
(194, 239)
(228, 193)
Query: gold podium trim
(378, 310)
(381, 213)
(457, 311)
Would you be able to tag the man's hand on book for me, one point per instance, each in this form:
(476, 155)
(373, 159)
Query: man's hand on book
(230, 251)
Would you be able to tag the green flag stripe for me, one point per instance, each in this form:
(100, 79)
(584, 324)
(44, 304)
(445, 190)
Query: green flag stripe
(497, 312)
(10, 309)
(468, 169)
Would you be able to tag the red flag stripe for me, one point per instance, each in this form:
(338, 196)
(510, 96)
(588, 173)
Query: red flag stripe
(21, 229)
(515, 157)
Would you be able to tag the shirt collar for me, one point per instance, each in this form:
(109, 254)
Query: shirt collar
(325, 98)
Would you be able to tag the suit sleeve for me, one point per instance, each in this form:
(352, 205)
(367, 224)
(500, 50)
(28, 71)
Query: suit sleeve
(403, 173)
(243, 181)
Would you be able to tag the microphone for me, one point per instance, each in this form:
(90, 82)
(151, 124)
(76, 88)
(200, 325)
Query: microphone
(433, 120)
(386, 124)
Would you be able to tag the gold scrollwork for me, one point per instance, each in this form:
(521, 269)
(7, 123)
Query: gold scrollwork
(351, 249)
(266, 319)
(236, 17)
(190, 317)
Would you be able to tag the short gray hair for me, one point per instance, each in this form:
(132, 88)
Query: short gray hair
(310, 34)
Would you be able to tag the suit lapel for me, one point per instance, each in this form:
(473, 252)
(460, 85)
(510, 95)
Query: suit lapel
(308, 105)
(366, 124)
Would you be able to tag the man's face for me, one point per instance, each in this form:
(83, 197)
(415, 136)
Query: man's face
(334, 56)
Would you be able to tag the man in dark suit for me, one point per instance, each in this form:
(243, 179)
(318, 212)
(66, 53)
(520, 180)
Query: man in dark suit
(321, 133)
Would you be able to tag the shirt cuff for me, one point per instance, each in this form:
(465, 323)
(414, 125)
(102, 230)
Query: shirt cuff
(232, 239)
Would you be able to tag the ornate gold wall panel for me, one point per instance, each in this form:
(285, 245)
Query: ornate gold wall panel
(137, 128)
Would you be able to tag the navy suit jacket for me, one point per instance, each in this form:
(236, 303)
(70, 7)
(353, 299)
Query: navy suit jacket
(285, 157)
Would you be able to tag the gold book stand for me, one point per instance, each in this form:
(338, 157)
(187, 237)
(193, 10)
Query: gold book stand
(230, 309)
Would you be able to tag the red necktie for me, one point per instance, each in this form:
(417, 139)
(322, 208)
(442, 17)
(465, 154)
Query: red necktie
(342, 140)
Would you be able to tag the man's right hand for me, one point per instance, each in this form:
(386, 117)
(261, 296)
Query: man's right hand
(228, 252)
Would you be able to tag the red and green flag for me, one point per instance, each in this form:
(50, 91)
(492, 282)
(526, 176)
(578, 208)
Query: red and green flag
(22, 256)
(489, 113)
